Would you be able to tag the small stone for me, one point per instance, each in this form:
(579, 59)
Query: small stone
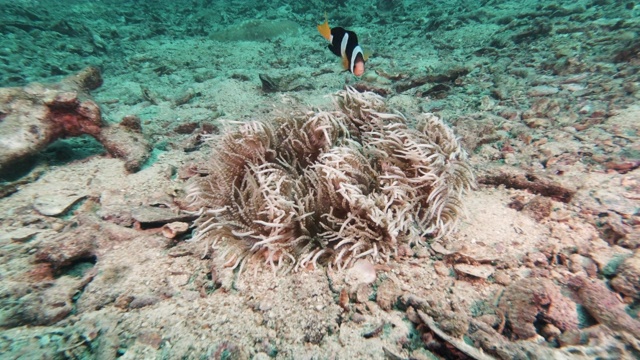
(362, 293)
(535, 259)
(358, 318)
(157, 215)
(421, 252)
(510, 159)
(441, 268)
(587, 109)
(54, 205)
(573, 87)
(479, 271)
(132, 123)
(174, 229)
(487, 104)
(151, 338)
(538, 208)
(143, 301)
(535, 122)
(571, 337)
(265, 306)
(579, 263)
(387, 294)
(123, 301)
(608, 258)
(20, 235)
(542, 90)
(490, 319)
(58, 226)
(627, 280)
(550, 332)
(45, 340)
(616, 202)
(440, 249)
(502, 277)
(362, 272)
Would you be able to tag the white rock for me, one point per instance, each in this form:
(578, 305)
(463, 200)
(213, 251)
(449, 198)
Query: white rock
(57, 204)
(479, 271)
(362, 272)
(20, 235)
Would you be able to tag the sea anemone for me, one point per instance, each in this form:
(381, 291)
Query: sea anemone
(330, 187)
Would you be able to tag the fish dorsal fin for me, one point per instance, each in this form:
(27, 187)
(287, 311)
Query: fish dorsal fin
(324, 28)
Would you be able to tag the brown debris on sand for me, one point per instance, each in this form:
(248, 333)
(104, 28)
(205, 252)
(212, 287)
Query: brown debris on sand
(528, 181)
(529, 300)
(34, 116)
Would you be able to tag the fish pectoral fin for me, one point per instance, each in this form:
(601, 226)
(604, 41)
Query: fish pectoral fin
(345, 63)
(367, 54)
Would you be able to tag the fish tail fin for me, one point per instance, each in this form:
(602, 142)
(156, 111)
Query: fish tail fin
(324, 28)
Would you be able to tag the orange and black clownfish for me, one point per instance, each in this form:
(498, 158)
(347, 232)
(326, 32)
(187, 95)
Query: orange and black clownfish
(344, 43)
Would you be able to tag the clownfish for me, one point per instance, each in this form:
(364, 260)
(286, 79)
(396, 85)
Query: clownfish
(344, 43)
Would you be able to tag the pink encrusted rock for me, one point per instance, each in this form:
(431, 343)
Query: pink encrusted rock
(537, 299)
(387, 294)
(36, 115)
(68, 247)
(604, 305)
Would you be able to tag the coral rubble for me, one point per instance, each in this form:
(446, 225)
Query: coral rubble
(36, 115)
(531, 301)
(330, 187)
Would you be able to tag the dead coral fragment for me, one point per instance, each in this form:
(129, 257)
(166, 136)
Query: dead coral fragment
(529, 300)
(604, 305)
(332, 187)
(528, 181)
(34, 116)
